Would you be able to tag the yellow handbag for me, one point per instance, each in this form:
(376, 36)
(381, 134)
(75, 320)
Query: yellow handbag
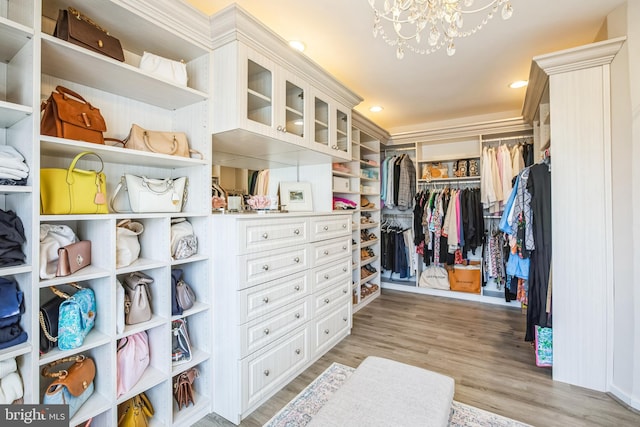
(73, 191)
(135, 412)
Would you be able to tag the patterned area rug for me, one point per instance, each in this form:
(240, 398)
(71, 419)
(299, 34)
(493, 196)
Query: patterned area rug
(305, 405)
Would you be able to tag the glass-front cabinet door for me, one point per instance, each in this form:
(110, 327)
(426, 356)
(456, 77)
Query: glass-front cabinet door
(291, 119)
(321, 124)
(259, 95)
(341, 136)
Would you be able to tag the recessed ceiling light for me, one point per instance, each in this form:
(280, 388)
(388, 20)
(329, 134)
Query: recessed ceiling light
(518, 84)
(376, 109)
(297, 45)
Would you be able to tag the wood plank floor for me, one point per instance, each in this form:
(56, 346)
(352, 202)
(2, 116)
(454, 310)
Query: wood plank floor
(481, 346)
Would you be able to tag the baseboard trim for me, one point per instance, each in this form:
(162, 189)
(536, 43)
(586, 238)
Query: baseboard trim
(630, 402)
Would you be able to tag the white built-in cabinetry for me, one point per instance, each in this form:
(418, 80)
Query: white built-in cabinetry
(273, 107)
(33, 64)
(282, 299)
(570, 93)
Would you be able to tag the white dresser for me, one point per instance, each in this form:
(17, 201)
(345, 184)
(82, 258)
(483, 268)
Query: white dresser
(281, 300)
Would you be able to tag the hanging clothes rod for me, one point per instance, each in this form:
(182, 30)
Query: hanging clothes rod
(399, 149)
(509, 138)
(407, 215)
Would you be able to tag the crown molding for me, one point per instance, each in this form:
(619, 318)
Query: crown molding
(491, 127)
(234, 23)
(564, 61)
(177, 17)
(369, 127)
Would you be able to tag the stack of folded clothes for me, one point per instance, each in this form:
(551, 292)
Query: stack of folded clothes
(11, 309)
(11, 389)
(11, 239)
(342, 203)
(13, 169)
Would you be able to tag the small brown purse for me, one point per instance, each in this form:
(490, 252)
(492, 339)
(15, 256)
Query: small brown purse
(66, 117)
(74, 27)
(183, 388)
(73, 257)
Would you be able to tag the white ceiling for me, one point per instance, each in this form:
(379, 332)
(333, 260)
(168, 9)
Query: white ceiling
(426, 88)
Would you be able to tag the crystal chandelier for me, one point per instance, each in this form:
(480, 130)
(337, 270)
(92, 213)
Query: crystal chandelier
(440, 20)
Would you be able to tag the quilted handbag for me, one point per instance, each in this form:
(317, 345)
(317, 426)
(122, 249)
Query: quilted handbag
(68, 115)
(73, 257)
(72, 190)
(132, 360)
(184, 242)
(49, 316)
(72, 386)
(76, 28)
(152, 195)
(76, 318)
(135, 412)
(164, 68)
(127, 243)
(172, 143)
(137, 299)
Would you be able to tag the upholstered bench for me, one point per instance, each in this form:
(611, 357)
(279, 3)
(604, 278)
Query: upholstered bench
(383, 392)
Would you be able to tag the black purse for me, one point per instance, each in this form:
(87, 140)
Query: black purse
(49, 315)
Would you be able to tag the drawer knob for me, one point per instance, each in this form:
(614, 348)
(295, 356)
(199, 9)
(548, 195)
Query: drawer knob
(344, 269)
(265, 235)
(265, 299)
(344, 225)
(297, 315)
(266, 331)
(327, 300)
(296, 260)
(326, 252)
(266, 372)
(344, 248)
(265, 267)
(344, 291)
(297, 351)
(345, 318)
(326, 331)
(296, 231)
(296, 287)
(326, 276)
(325, 228)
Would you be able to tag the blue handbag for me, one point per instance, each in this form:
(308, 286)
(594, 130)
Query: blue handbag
(76, 317)
(72, 386)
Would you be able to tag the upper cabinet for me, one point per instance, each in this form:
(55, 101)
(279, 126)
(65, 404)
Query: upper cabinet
(272, 106)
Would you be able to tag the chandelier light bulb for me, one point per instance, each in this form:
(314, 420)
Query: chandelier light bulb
(441, 17)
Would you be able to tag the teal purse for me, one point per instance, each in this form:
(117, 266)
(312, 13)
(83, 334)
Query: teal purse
(76, 317)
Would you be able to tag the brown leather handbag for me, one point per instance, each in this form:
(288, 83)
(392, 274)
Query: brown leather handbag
(74, 27)
(68, 115)
(183, 388)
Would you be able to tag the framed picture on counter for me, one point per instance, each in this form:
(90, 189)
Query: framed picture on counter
(296, 196)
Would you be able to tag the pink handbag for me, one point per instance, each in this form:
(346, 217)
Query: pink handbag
(132, 359)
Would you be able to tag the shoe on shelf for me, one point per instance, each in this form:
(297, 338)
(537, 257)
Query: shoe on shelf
(370, 268)
(364, 273)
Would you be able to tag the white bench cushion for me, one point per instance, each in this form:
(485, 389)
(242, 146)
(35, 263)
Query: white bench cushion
(385, 393)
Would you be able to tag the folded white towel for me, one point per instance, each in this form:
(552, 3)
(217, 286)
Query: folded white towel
(10, 158)
(7, 366)
(11, 388)
(8, 173)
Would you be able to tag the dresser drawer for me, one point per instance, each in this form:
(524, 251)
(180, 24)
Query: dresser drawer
(267, 234)
(331, 298)
(262, 267)
(268, 297)
(262, 332)
(267, 371)
(328, 227)
(332, 328)
(327, 275)
(331, 250)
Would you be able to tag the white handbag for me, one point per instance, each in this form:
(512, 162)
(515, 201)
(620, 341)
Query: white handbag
(167, 69)
(434, 277)
(120, 300)
(184, 242)
(127, 243)
(152, 195)
(52, 238)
